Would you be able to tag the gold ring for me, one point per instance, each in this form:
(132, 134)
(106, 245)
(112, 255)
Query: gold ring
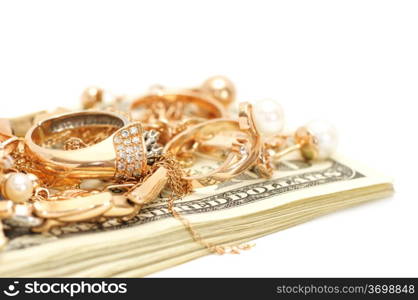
(89, 144)
(239, 155)
(173, 111)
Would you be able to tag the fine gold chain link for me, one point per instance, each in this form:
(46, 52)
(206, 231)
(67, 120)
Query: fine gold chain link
(180, 188)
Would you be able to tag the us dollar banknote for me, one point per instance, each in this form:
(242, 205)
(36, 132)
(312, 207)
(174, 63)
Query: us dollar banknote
(298, 192)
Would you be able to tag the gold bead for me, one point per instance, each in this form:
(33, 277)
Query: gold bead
(308, 149)
(220, 88)
(91, 97)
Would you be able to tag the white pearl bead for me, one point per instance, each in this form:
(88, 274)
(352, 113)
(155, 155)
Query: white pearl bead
(269, 116)
(18, 187)
(326, 137)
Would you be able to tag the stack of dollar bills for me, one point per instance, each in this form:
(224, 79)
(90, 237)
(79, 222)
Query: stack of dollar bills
(229, 213)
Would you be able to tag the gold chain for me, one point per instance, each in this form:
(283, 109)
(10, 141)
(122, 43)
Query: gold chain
(180, 188)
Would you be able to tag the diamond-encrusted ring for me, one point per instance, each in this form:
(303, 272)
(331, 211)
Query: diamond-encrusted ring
(135, 149)
(47, 145)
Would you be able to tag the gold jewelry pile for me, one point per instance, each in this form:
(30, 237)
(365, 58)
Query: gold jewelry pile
(110, 159)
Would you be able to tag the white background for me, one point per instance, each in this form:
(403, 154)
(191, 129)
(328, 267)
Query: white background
(354, 63)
